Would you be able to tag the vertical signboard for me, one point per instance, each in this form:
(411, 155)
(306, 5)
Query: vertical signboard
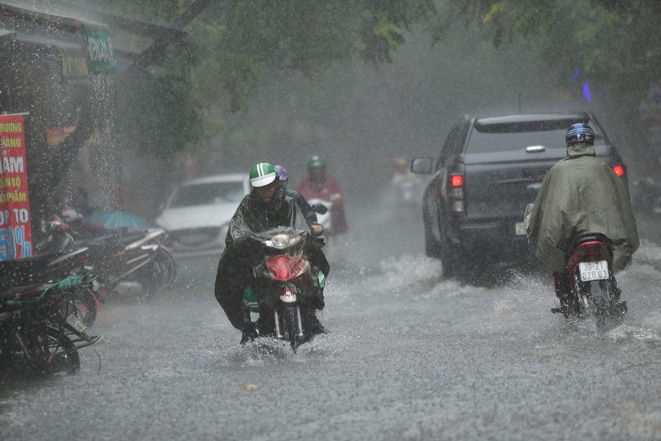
(99, 50)
(15, 227)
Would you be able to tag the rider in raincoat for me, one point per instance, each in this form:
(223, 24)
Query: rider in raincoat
(266, 207)
(306, 209)
(580, 194)
(320, 185)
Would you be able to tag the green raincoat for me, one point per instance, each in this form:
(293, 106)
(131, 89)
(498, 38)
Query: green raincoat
(581, 194)
(243, 252)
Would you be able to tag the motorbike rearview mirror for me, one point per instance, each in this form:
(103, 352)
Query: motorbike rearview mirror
(423, 166)
(319, 208)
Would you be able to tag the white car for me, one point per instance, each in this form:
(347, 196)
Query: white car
(197, 214)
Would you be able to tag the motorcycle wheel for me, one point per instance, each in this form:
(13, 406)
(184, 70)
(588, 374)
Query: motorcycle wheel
(574, 301)
(291, 326)
(166, 268)
(52, 352)
(607, 307)
(85, 304)
(62, 354)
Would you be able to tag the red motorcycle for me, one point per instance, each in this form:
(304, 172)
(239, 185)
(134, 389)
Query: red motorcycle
(592, 282)
(287, 284)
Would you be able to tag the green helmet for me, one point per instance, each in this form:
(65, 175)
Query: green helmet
(316, 162)
(262, 174)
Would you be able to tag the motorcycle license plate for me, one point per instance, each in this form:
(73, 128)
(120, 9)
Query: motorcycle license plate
(76, 323)
(520, 229)
(593, 270)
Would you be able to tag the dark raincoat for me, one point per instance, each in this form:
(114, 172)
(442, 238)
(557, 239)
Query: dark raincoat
(242, 252)
(581, 194)
(306, 209)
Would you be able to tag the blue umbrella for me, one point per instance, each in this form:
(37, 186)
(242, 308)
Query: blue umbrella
(115, 220)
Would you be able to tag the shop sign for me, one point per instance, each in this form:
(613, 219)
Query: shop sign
(15, 226)
(99, 50)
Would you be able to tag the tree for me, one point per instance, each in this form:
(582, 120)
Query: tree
(616, 43)
(611, 40)
(178, 91)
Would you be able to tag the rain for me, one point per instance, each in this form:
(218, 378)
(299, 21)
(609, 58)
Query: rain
(123, 104)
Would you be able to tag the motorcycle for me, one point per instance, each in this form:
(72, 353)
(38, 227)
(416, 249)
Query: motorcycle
(407, 193)
(59, 260)
(284, 300)
(40, 333)
(138, 258)
(592, 282)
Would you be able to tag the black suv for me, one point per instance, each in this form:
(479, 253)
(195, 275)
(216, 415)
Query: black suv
(488, 171)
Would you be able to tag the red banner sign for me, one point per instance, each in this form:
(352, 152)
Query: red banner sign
(15, 227)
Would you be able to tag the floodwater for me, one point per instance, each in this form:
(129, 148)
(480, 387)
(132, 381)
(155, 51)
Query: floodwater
(410, 356)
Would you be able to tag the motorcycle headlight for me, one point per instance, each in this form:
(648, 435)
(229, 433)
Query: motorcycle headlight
(280, 241)
(283, 241)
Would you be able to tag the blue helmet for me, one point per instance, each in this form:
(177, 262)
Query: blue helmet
(580, 133)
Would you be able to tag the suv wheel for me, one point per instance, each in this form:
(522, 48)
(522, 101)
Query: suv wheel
(451, 257)
(432, 247)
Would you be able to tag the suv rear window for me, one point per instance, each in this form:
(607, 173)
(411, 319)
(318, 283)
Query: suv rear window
(500, 137)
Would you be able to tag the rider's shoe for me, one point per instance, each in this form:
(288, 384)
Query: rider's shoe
(265, 330)
(317, 327)
(248, 333)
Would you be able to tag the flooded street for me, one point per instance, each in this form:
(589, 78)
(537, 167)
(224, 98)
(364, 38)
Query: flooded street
(187, 116)
(409, 357)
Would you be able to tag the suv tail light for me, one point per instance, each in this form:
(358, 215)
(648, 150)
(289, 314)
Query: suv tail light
(619, 170)
(456, 194)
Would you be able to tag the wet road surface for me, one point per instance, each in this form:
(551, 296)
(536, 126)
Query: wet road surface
(410, 356)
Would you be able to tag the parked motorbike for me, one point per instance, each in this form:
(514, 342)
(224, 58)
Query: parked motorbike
(131, 258)
(284, 299)
(58, 259)
(593, 286)
(40, 333)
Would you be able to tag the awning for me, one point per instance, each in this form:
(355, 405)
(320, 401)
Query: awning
(61, 25)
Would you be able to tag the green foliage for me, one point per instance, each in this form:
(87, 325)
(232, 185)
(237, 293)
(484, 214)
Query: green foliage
(615, 42)
(156, 115)
(251, 37)
(237, 42)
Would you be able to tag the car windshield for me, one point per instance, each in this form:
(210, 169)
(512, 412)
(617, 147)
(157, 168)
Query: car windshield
(519, 135)
(207, 194)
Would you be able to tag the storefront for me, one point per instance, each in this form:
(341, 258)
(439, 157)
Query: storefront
(57, 69)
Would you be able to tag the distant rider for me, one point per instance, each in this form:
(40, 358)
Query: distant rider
(320, 185)
(266, 207)
(306, 209)
(580, 194)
